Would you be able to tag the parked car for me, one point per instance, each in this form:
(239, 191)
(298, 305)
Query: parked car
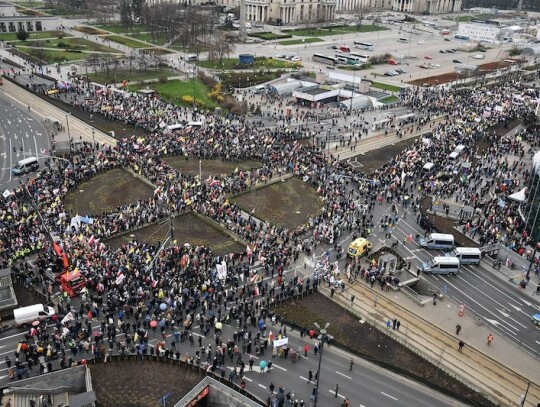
(447, 39)
(428, 57)
(456, 61)
(400, 70)
(421, 42)
(478, 56)
(536, 319)
(450, 51)
(391, 73)
(296, 58)
(435, 65)
(280, 56)
(442, 51)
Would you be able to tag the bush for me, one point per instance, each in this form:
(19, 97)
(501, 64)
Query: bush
(207, 80)
(162, 79)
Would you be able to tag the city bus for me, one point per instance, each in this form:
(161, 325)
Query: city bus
(362, 57)
(461, 37)
(366, 46)
(323, 59)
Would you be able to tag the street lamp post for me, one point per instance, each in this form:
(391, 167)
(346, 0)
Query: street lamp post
(323, 336)
(69, 132)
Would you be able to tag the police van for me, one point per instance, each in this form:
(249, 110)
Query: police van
(442, 265)
(25, 166)
(437, 241)
(467, 255)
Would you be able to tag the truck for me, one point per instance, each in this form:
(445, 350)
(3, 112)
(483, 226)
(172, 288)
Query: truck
(72, 283)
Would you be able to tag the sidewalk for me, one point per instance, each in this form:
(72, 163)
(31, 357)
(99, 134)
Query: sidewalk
(501, 371)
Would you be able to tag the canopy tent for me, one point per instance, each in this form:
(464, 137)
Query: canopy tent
(518, 196)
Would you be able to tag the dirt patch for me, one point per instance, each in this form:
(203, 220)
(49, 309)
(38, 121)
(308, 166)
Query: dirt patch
(188, 228)
(129, 383)
(375, 159)
(209, 168)
(290, 203)
(436, 80)
(491, 66)
(106, 192)
(371, 344)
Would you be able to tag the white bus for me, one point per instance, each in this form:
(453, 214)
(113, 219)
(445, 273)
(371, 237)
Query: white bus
(362, 57)
(363, 45)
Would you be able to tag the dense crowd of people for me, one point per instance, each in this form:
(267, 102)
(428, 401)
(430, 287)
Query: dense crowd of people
(140, 286)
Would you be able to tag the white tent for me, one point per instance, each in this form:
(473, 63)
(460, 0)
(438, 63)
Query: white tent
(518, 196)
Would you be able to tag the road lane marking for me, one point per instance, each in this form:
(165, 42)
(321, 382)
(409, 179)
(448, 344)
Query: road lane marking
(344, 375)
(334, 393)
(301, 377)
(279, 367)
(262, 385)
(247, 378)
(388, 395)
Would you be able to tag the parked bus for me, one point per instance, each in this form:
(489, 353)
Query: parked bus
(362, 57)
(363, 45)
(323, 59)
(348, 59)
(461, 37)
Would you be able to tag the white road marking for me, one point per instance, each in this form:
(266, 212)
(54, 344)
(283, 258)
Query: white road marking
(341, 374)
(334, 393)
(388, 395)
(304, 378)
(279, 367)
(262, 385)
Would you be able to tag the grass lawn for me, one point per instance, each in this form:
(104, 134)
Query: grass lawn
(269, 36)
(52, 57)
(173, 90)
(268, 63)
(33, 36)
(160, 40)
(289, 204)
(133, 76)
(319, 32)
(74, 43)
(128, 42)
(118, 28)
(300, 41)
(90, 30)
(389, 99)
(385, 86)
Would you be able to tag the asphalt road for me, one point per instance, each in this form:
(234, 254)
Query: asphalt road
(483, 290)
(366, 385)
(21, 136)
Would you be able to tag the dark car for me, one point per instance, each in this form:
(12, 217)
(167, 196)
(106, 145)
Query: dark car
(426, 224)
(456, 61)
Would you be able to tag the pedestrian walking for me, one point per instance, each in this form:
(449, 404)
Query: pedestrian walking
(489, 339)
(306, 349)
(458, 329)
(461, 344)
(310, 375)
(271, 387)
(336, 391)
(351, 365)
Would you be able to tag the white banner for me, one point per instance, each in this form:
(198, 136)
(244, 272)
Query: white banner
(280, 342)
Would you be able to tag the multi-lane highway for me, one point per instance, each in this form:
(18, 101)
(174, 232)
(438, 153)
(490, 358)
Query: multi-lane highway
(21, 135)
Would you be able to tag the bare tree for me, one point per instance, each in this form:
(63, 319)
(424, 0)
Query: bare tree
(360, 11)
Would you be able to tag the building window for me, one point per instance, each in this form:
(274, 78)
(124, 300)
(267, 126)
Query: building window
(29, 26)
(12, 27)
(20, 26)
(3, 27)
(38, 26)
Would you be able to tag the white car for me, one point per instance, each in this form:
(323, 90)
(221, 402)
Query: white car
(478, 56)
(421, 42)
(433, 65)
(296, 59)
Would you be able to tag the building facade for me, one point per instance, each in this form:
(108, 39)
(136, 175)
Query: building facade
(407, 6)
(11, 21)
(290, 11)
(480, 31)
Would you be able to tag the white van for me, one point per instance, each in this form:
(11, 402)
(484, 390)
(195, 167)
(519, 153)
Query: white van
(437, 241)
(36, 312)
(428, 168)
(467, 255)
(25, 166)
(177, 126)
(191, 58)
(458, 151)
(441, 265)
(195, 124)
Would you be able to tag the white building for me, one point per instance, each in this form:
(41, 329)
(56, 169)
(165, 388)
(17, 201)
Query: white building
(480, 31)
(290, 11)
(11, 21)
(408, 6)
